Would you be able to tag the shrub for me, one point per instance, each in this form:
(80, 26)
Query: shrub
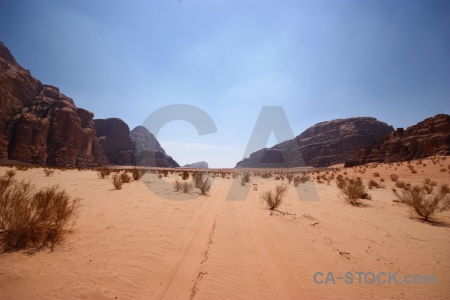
(165, 173)
(245, 178)
(117, 181)
(373, 184)
(177, 185)
(266, 175)
(104, 173)
(10, 173)
(353, 190)
(186, 187)
(137, 173)
(376, 174)
(394, 177)
(185, 175)
(300, 179)
(33, 219)
(425, 205)
(125, 177)
(48, 172)
(273, 200)
(289, 178)
(204, 186)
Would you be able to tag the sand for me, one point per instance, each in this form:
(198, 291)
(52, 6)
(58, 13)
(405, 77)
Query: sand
(146, 241)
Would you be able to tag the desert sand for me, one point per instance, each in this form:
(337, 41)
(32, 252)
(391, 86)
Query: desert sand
(146, 241)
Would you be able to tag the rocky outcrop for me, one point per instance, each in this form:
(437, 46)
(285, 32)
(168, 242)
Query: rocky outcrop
(39, 125)
(148, 150)
(324, 144)
(198, 165)
(114, 135)
(426, 138)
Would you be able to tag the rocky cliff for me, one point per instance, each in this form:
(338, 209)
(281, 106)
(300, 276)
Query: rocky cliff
(321, 145)
(39, 125)
(114, 135)
(426, 138)
(148, 150)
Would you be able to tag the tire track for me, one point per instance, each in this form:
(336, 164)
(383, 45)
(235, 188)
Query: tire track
(184, 274)
(283, 284)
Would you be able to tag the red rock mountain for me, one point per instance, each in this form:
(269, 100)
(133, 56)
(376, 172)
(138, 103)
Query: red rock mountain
(321, 145)
(426, 138)
(148, 150)
(39, 125)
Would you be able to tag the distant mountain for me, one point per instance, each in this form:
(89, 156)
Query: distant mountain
(197, 165)
(324, 144)
(148, 150)
(39, 125)
(426, 138)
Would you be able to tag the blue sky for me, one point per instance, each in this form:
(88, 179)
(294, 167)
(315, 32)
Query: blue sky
(319, 60)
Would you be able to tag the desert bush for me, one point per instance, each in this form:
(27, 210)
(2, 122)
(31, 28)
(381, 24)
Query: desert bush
(245, 178)
(204, 185)
(177, 185)
(125, 177)
(165, 173)
(394, 177)
(186, 187)
(425, 205)
(373, 184)
(300, 179)
(33, 219)
(339, 177)
(117, 181)
(266, 175)
(48, 172)
(376, 174)
(10, 173)
(289, 178)
(185, 175)
(104, 173)
(137, 173)
(274, 199)
(277, 177)
(353, 190)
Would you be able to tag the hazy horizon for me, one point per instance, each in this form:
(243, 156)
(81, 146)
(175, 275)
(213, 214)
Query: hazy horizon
(319, 60)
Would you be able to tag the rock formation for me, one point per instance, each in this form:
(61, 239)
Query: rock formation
(148, 150)
(198, 165)
(321, 145)
(114, 135)
(426, 138)
(39, 125)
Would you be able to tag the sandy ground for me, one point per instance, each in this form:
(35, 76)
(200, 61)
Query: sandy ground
(148, 242)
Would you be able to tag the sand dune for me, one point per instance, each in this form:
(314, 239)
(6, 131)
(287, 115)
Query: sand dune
(148, 242)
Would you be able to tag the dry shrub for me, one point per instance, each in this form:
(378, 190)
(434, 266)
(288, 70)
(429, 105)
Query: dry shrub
(177, 185)
(117, 181)
(164, 173)
(373, 184)
(104, 173)
(33, 219)
(289, 178)
(10, 173)
(186, 187)
(300, 179)
(394, 177)
(48, 172)
(402, 185)
(185, 175)
(125, 177)
(266, 175)
(202, 183)
(274, 199)
(376, 174)
(137, 173)
(353, 190)
(245, 178)
(425, 205)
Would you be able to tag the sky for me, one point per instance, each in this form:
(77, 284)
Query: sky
(318, 60)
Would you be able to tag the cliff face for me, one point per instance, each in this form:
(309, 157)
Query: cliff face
(148, 150)
(39, 125)
(114, 135)
(426, 138)
(321, 145)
